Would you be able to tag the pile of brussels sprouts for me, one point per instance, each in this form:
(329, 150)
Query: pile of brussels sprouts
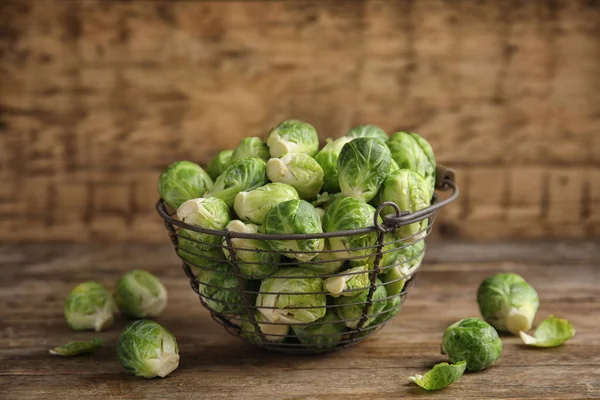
(145, 348)
(312, 290)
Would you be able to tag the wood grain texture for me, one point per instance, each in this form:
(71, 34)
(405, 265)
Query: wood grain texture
(37, 278)
(97, 97)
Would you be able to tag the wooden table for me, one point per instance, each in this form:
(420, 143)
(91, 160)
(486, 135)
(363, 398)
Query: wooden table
(36, 279)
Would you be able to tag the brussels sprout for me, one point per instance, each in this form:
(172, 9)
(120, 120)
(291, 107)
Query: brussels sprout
(325, 199)
(327, 158)
(181, 181)
(219, 164)
(370, 131)
(350, 308)
(89, 306)
(246, 174)
(362, 167)
(77, 347)
(256, 262)
(253, 205)
(147, 349)
(474, 341)
(324, 263)
(208, 213)
(324, 333)
(507, 302)
(413, 152)
(393, 166)
(349, 282)
(552, 332)
(349, 213)
(219, 289)
(272, 332)
(139, 294)
(286, 302)
(392, 306)
(399, 264)
(251, 147)
(195, 255)
(298, 170)
(291, 217)
(293, 136)
(320, 211)
(409, 191)
(441, 376)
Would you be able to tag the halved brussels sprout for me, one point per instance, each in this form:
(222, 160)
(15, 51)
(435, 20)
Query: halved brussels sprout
(399, 264)
(252, 206)
(324, 263)
(209, 213)
(147, 349)
(348, 282)
(298, 170)
(181, 181)
(219, 164)
(507, 302)
(293, 136)
(362, 166)
(139, 294)
(371, 131)
(474, 341)
(89, 306)
(350, 213)
(258, 260)
(291, 217)
(292, 297)
(324, 333)
(251, 147)
(220, 291)
(272, 332)
(413, 152)
(246, 174)
(350, 308)
(327, 158)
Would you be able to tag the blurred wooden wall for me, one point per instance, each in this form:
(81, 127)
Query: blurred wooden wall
(96, 97)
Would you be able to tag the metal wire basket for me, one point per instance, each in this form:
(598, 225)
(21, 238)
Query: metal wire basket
(215, 275)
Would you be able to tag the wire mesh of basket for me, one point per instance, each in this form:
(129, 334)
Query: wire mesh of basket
(308, 301)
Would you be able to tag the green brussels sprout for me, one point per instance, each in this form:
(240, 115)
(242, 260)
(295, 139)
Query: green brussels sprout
(181, 181)
(293, 136)
(327, 158)
(324, 263)
(298, 170)
(324, 333)
(370, 131)
(362, 167)
(413, 152)
(399, 264)
(219, 289)
(507, 302)
(195, 254)
(285, 300)
(320, 211)
(148, 349)
(392, 306)
(349, 213)
(348, 282)
(474, 341)
(89, 306)
(246, 174)
(251, 147)
(325, 199)
(252, 206)
(409, 191)
(291, 217)
(350, 308)
(219, 164)
(258, 260)
(393, 166)
(552, 332)
(139, 294)
(273, 332)
(209, 213)
(440, 376)
(76, 348)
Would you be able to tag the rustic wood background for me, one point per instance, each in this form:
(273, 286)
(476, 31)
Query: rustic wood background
(97, 97)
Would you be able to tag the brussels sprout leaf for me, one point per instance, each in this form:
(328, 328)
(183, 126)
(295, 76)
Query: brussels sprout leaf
(552, 332)
(440, 376)
(76, 348)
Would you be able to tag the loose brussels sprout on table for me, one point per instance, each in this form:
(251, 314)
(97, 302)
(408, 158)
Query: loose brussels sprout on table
(89, 306)
(147, 349)
(219, 164)
(293, 136)
(411, 151)
(246, 174)
(181, 181)
(327, 158)
(507, 302)
(250, 147)
(139, 294)
(252, 206)
(290, 217)
(371, 131)
(325, 333)
(474, 341)
(298, 170)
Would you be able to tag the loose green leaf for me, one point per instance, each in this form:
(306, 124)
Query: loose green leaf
(440, 376)
(552, 332)
(77, 347)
